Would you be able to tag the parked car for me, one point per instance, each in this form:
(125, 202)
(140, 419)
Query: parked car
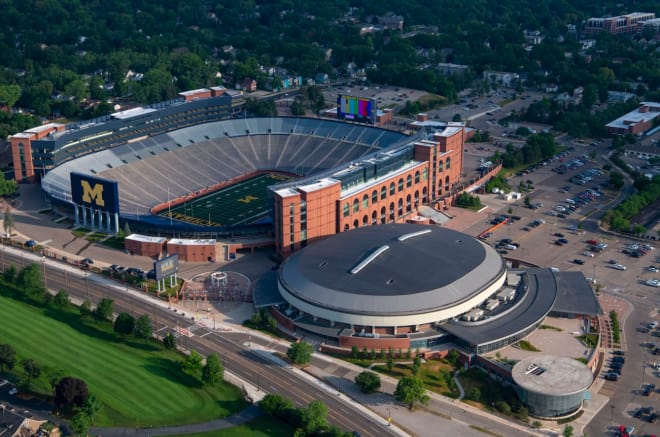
(13, 391)
(653, 282)
(618, 267)
(611, 376)
(578, 261)
(587, 253)
(30, 243)
(653, 269)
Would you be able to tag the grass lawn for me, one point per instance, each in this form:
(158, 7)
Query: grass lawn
(527, 346)
(140, 384)
(590, 340)
(264, 426)
(80, 232)
(434, 373)
(550, 327)
(491, 391)
(114, 242)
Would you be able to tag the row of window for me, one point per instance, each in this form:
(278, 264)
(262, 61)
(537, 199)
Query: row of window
(394, 212)
(394, 188)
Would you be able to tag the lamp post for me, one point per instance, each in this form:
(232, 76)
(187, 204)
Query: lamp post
(43, 263)
(389, 417)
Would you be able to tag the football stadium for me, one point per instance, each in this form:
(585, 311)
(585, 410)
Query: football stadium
(186, 168)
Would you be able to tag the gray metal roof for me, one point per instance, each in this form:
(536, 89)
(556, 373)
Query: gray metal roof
(575, 296)
(532, 307)
(391, 269)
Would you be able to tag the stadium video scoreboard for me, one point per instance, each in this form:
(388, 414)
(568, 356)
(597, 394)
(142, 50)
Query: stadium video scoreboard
(166, 267)
(355, 108)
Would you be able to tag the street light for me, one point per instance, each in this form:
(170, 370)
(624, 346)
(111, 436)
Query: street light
(43, 262)
(389, 417)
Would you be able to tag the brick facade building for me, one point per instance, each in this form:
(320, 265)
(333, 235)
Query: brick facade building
(382, 189)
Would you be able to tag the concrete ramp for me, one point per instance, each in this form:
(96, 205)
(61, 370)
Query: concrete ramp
(433, 214)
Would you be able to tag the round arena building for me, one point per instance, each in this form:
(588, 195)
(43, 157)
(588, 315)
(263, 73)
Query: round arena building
(391, 279)
(551, 386)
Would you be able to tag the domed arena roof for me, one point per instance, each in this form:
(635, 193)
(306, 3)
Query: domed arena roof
(392, 269)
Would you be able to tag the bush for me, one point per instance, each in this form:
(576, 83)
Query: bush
(368, 382)
(503, 407)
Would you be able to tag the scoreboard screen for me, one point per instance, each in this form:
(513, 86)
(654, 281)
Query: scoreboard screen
(356, 109)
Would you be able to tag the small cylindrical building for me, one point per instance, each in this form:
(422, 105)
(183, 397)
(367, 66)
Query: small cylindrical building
(551, 386)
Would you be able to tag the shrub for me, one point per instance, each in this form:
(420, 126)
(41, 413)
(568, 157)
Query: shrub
(368, 382)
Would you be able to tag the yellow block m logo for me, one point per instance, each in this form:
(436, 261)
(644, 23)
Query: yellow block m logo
(90, 194)
(248, 199)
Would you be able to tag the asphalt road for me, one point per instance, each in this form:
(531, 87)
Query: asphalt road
(233, 348)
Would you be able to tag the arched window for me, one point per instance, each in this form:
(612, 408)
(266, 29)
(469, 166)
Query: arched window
(400, 207)
(356, 205)
(355, 224)
(392, 189)
(416, 198)
(374, 218)
(383, 193)
(365, 201)
(447, 183)
(383, 216)
(448, 164)
(409, 181)
(416, 177)
(440, 166)
(346, 227)
(440, 187)
(391, 211)
(424, 197)
(374, 197)
(347, 209)
(400, 184)
(365, 220)
(425, 174)
(408, 204)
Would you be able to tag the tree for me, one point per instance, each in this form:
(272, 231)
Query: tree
(104, 309)
(71, 392)
(9, 94)
(61, 299)
(213, 370)
(9, 275)
(85, 308)
(410, 390)
(31, 369)
(169, 341)
(354, 351)
(276, 405)
(452, 357)
(80, 422)
(92, 406)
(7, 357)
(8, 221)
(30, 280)
(475, 394)
(193, 362)
(368, 382)
(568, 431)
(143, 327)
(300, 353)
(415, 366)
(54, 375)
(124, 324)
(390, 364)
(314, 417)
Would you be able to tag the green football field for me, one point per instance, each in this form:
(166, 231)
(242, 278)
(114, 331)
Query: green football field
(139, 384)
(243, 203)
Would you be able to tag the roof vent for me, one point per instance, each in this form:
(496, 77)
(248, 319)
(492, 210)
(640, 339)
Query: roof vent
(404, 237)
(390, 281)
(323, 264)
(355, 270)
